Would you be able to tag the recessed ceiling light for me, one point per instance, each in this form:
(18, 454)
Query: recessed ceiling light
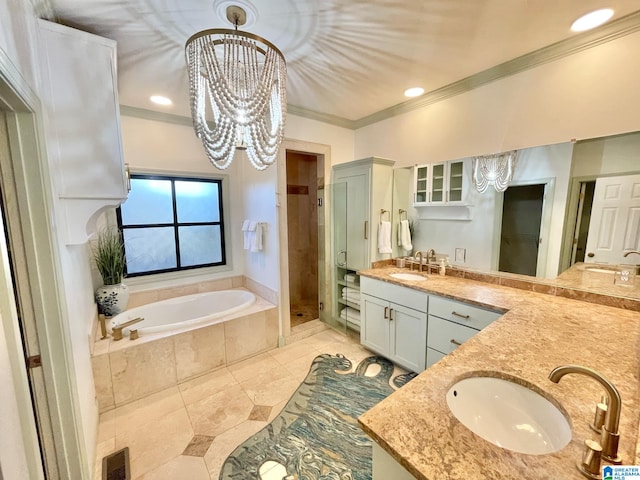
(592, 20)
(160, 100)
(413, 92)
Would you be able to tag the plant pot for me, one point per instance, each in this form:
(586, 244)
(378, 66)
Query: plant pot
(112, 299)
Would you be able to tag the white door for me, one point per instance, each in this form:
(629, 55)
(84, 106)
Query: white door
(615, 220)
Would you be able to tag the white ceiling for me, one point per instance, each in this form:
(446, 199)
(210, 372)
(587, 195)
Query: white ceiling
(346, 58)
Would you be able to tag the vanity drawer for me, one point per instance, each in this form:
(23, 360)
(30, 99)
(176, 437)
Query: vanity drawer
(406, 296)
(433, 356)
(461, 313)
(445, 336)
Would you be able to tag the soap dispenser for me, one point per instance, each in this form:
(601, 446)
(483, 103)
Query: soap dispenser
(443, 268)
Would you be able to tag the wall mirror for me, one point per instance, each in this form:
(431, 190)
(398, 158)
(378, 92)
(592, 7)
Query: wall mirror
(562, 208)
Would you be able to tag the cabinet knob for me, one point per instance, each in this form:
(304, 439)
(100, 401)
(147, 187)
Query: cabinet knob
(455, 342)
(391, 314)
(591, 254)
(466, 317)
(386, 309)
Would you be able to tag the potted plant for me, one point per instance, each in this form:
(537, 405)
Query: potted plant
(108, 255)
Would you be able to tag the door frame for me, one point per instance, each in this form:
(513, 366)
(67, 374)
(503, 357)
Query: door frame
(308, 148)
(39, 270)
(545, 222)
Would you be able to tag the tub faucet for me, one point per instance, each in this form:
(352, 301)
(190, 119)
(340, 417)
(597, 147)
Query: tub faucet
(610, 436)
(116, 331)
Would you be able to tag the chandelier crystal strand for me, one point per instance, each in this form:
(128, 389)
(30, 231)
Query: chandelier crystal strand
(239, 79)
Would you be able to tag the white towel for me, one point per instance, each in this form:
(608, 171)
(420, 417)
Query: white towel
(246, 234)
(405, 235)
(346, 290)
(384, 238)
(350, 314)
(256, 237)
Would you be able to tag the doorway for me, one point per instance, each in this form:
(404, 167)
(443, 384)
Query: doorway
(585, 205)
(520, 232)
(304, 198)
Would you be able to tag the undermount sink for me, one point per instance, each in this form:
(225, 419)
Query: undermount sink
(407, 276)
(509, 415)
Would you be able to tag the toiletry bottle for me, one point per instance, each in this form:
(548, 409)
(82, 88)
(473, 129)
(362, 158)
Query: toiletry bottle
(443, 269)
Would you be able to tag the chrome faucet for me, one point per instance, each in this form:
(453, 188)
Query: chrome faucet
(116, 331)
(610, 436)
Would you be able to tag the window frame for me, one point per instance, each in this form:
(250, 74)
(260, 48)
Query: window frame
(220, 181)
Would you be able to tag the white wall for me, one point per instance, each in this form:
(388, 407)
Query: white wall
(17, 30)
(341, 140)
(615, 155)
(588, 94)
(151, 145)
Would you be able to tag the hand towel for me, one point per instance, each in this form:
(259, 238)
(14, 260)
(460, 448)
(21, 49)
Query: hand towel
(405, 235)
(384, 237)
(246, 234)
(256, 237)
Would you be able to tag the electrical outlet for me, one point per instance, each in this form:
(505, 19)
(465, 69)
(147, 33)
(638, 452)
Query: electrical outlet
(461, 255)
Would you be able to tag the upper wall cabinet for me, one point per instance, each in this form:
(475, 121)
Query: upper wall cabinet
(82, 126)
(441, 183)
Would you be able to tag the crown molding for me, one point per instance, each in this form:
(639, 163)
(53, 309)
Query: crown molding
(580, 42)
(145, 114)
(564, 48)
(322, 117)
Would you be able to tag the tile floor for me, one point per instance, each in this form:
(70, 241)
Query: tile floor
(188, 431)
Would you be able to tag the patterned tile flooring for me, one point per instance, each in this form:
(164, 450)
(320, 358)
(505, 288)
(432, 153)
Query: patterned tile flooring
(188, 431)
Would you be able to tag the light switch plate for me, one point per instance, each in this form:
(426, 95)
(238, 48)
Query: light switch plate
(461, 254)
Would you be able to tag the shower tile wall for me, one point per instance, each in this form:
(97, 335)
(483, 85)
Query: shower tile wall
(302, 211)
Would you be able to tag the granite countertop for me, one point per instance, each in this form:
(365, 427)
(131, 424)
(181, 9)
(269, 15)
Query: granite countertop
(537, 333)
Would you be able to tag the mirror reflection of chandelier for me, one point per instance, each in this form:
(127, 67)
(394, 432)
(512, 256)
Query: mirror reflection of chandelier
(496, 170)
(239, 79)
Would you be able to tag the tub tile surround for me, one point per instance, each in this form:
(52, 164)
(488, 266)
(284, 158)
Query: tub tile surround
(219, 404)
(128, 370)
(537, 333)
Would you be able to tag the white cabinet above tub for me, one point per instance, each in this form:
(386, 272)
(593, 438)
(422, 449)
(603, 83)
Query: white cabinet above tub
(82, 126)
(451, 323)
(394, 322)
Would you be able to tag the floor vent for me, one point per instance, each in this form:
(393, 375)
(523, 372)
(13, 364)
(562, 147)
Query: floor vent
(116, 466)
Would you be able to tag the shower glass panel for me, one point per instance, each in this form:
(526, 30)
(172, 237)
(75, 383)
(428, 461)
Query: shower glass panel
(335, 315)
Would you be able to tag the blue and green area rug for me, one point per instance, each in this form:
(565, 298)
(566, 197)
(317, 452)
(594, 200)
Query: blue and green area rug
(316, 436)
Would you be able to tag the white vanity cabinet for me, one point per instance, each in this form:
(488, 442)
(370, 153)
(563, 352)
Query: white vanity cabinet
(444, 183)
(394, 322)
(82, 126)
(451, 323)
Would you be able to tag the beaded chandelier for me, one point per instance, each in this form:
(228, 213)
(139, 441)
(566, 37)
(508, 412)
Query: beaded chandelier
(496, 170)
(239, 79)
